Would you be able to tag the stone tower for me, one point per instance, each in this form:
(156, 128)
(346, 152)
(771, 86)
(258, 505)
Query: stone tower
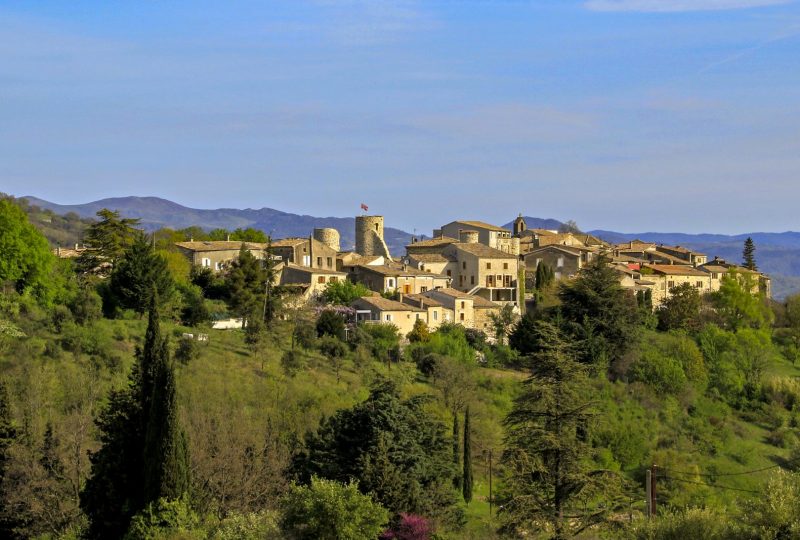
(329, 237)
(519, 226)
(369, 236)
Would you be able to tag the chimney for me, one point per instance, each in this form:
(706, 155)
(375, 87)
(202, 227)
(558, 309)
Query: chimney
(421, 303)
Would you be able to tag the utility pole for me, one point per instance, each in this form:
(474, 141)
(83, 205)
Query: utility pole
(655, 491)
(650, 485)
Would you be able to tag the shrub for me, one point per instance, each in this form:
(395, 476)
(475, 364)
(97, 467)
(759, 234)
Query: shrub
(261, 525)
(188, 349)
(164, 519)
(409, 527)
(692, 523)
(331, 323)
(292, 362)
(328, 510)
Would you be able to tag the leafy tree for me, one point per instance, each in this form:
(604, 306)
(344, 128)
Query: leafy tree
(108, 239)
(164, 518)
(86, 306)
(335, 350)
(737, 306)
(344, 292)
(394, 447)
(329, 510)
(194, 311)
(524, 338)
(246, 284)
(548, 481)
(420, 333)
(681, 311)
(569, 227)
(331, 323)
(501, 322)
(598, 312)
(384, 341)
(138, 274)
(249, 235)
(466, 488)
(749, 255)
(26, 262)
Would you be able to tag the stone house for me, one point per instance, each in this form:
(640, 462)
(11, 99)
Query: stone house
(565, 261)
(718, 268)
(466, 309)
(402, 278)
(437, 313)
(312, 281)
(307, 252)
(483, 271)
(376, 309)
(667, 276)
(217, 255)
(481, 232)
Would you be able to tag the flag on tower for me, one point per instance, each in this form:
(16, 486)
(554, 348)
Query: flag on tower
(364, 207)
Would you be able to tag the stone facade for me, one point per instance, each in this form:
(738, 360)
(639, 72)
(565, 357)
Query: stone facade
(369, 236)
(328, 236)
(217, 255)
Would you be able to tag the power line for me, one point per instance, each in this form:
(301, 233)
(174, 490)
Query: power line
(715, 486)
(713, 475)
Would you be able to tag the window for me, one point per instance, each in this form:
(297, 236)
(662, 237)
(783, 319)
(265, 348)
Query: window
(205, 262)
(449, 273)
(406, 289)
(488, 266)
(216, 266)
(464, 265)
(435, 315)
(461, 317)
(388, 317)
(699, 284)
(472, 280)
(390, 283)
(319, 262)
(670, 284)
(560, 262)
(306, 260)
(505, 266)
(423, 289)
(329, 260)
(462, 304)
(333, 279)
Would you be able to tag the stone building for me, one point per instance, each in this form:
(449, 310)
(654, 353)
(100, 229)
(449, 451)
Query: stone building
(311, 281)
(328, 236)
(376, 309)
(217, 255)
(369, 236)
(565, 261)
(308, 252)
(665, 277)
(487, 234)
(401, 278)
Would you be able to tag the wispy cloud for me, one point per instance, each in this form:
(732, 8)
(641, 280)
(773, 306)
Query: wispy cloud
(666, 6)
(790, 33)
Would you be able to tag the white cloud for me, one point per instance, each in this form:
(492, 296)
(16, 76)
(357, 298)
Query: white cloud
(665, 6)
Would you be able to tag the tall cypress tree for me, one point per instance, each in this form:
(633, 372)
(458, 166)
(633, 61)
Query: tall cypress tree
(166, 471)
(7, 435)
(467, 480)
(749, 255)
(456, 452)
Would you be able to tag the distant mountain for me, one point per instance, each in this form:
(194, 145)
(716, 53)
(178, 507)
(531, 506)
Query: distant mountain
(155, 213)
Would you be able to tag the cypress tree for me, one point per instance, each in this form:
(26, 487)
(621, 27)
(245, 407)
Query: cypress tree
(7, 435)
(467, 480)
(749, 254)
(456, 452)
(166, 463)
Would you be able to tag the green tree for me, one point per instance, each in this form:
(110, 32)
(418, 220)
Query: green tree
(166, 470)
(543, 281)
(736, 304)
(598, 312)
(548, 482)
(8, 433)
(681, 311)
(524, 338)
(420, 333)
(107, 239)
(272, 298)
(501, 322)
(249, 235)
(329, 510)
(246, 284)
(331, 323)
(164, 518)
(26, 263)
(344, 292)
(394, 447)
(335, 350)
(466, 488)
(139, 274)
(749, 255)
(456, 452)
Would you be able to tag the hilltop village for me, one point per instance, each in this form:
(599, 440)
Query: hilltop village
(468, 270)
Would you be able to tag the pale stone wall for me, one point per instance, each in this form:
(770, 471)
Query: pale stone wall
(369, 236)
(328, 236)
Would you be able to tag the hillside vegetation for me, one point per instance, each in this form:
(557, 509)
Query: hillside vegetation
(118, 421)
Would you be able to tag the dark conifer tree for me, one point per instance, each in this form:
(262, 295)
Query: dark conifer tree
(139, 274)
(8, 434)
(456, 452)
(749, 255)
(467, 477)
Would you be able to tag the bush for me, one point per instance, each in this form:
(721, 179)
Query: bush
(331, 323)
(194, 311)
(692, 523)
(261, 525)
(164, 519)
(305, 335)
(328, 510)
(292, 363)
(409, 527)
(188, 349)
(344, 292)
(86, 306)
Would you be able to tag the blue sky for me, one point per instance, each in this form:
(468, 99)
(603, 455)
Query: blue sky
(631, 115)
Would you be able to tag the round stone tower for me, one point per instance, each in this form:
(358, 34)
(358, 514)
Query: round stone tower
(468, 237)
(369, 236)
(329, 237)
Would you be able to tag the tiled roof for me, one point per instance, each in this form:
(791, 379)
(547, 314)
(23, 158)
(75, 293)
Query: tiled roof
(481, 225)
(568, 249)
(433, 242)
(219, 245)
(289, 242)
(479, 302)
(394, 271)
(414, 300)
(308, 270)
(481, 250)
(384, 304)
(449, 291)
(676, 270)
(430, 257)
